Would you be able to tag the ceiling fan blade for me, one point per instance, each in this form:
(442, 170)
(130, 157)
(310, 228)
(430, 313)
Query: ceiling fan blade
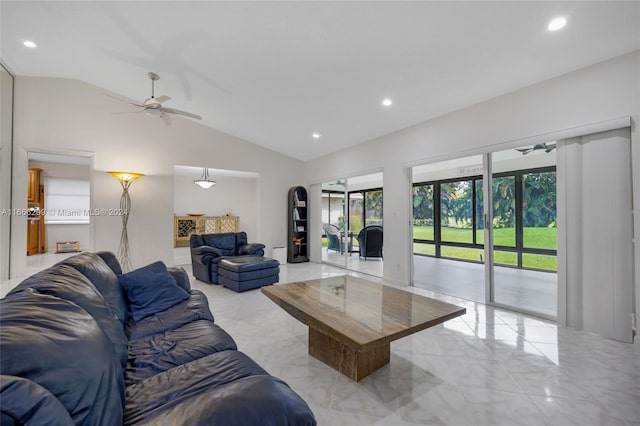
(161, 99)
(185, 113)
(166, 118)
(128, 112)
(123, 99)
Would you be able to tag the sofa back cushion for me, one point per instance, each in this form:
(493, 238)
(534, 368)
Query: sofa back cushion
(111, 260)
(226, 242)
(67, 283)
(58, 345)
(103, 278)
(241, 238)
(196, 240)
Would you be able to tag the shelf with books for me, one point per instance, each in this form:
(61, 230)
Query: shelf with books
(297, 248)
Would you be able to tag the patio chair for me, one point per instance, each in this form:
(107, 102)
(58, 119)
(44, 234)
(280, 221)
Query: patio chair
(370, 241)
(334, 236)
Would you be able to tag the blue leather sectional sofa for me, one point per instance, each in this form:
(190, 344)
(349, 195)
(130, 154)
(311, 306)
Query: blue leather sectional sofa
(207, 250)
(83, 344)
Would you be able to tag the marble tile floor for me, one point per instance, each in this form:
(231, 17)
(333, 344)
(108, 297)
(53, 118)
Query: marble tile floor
(488, 367)
(371, 266)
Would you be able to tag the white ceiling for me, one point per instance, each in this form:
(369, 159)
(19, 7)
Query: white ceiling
(275, 72)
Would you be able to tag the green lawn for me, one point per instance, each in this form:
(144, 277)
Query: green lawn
(545, 238)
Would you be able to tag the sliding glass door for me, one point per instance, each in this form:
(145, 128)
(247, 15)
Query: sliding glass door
(501, 207)
(523, 229)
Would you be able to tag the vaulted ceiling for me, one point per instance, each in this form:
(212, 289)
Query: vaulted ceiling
(274, 73)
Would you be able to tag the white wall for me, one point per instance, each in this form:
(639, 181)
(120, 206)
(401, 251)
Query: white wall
(236, 194)
(600, 92)
(66, 116)
(6, 118)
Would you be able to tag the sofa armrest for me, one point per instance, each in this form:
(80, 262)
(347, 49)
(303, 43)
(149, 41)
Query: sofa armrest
(205, 254)
(206, 250)
(181, 277)
(252, 248)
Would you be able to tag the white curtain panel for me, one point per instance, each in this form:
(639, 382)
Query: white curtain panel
(595, 248)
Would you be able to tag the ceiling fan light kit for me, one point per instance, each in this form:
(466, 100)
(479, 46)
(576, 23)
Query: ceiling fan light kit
(544, 146)
(153, 105)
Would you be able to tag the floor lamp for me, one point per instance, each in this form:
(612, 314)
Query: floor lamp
(125, 179)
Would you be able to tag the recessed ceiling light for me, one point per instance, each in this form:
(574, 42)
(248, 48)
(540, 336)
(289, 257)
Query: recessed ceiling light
(387, 102)
(557, 23)
(316, 135)
(29, 43)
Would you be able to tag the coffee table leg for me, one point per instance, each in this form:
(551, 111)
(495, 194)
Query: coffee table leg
(352, 363)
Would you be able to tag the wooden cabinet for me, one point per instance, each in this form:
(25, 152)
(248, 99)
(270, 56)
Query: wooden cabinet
(33, 186)
(298, 225)
(184, 226)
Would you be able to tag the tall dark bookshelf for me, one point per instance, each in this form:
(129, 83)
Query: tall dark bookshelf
(298, 225)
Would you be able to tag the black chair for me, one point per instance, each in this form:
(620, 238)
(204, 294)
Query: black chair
(334, 236)
(370, 241)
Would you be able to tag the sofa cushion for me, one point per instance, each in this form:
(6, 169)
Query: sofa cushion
(226, 243)
(58, 345)
(103, 278)
(151, 289)
(225, 388)
(163, 351)
(67, 283)
(251, 249)
(27, 403)
(196, 307)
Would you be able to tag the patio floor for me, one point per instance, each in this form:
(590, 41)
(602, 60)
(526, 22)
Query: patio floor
(530, 290)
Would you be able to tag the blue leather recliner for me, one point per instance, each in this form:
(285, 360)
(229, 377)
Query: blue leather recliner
(207, 250)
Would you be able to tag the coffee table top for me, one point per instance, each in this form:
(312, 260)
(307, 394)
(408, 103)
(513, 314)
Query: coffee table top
(360, 313)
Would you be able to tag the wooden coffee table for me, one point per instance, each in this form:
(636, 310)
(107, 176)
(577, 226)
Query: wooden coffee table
(352, 322)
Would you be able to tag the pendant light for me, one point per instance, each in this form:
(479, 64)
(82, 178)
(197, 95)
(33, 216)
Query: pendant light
(204, 182)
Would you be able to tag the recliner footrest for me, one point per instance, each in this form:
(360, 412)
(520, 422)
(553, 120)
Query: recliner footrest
(248, 272)
(248, 285)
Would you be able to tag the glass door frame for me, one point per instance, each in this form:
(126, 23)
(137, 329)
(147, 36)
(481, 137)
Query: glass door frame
(345, 232)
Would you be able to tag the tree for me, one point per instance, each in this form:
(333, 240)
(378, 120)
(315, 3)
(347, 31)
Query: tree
(539, 199)
(423, 205)
(504, 202)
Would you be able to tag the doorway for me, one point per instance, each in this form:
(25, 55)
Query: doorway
(59, 208)
(352, 230)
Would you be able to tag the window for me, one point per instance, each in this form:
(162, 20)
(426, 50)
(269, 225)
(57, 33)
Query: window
(365, 208)
(66, 201)
(447, 219)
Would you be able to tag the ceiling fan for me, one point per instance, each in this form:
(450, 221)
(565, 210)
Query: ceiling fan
(546, 147)
(153, 105)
